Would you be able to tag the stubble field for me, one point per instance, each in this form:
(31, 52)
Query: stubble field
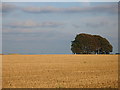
(59, 71)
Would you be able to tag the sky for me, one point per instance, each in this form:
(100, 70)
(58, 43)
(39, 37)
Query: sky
(49, 27)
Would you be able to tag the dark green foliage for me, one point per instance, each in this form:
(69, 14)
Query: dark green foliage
(88, 44)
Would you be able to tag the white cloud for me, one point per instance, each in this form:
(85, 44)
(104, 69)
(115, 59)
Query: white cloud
(8, 7)
(111, 8)
(102, 8)
(30, 24)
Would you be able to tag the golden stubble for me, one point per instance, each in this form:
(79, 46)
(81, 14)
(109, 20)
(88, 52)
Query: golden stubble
(60, 71)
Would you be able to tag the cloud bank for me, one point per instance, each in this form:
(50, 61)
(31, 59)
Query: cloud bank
(32, 24)
(102, 8)
(111, 8)
(8, 7)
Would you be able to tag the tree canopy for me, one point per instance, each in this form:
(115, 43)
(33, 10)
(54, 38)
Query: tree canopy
(90, 44)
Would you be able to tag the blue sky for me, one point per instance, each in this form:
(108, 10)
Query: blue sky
(49, 27)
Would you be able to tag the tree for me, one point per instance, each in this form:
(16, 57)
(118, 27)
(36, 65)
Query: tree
(88, 44)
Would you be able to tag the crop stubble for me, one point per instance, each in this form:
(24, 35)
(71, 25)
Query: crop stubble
(59, 71)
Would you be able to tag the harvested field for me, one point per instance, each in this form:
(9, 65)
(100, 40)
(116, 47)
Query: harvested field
(60, 71)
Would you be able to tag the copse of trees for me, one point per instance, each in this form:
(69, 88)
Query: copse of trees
(90, 44)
